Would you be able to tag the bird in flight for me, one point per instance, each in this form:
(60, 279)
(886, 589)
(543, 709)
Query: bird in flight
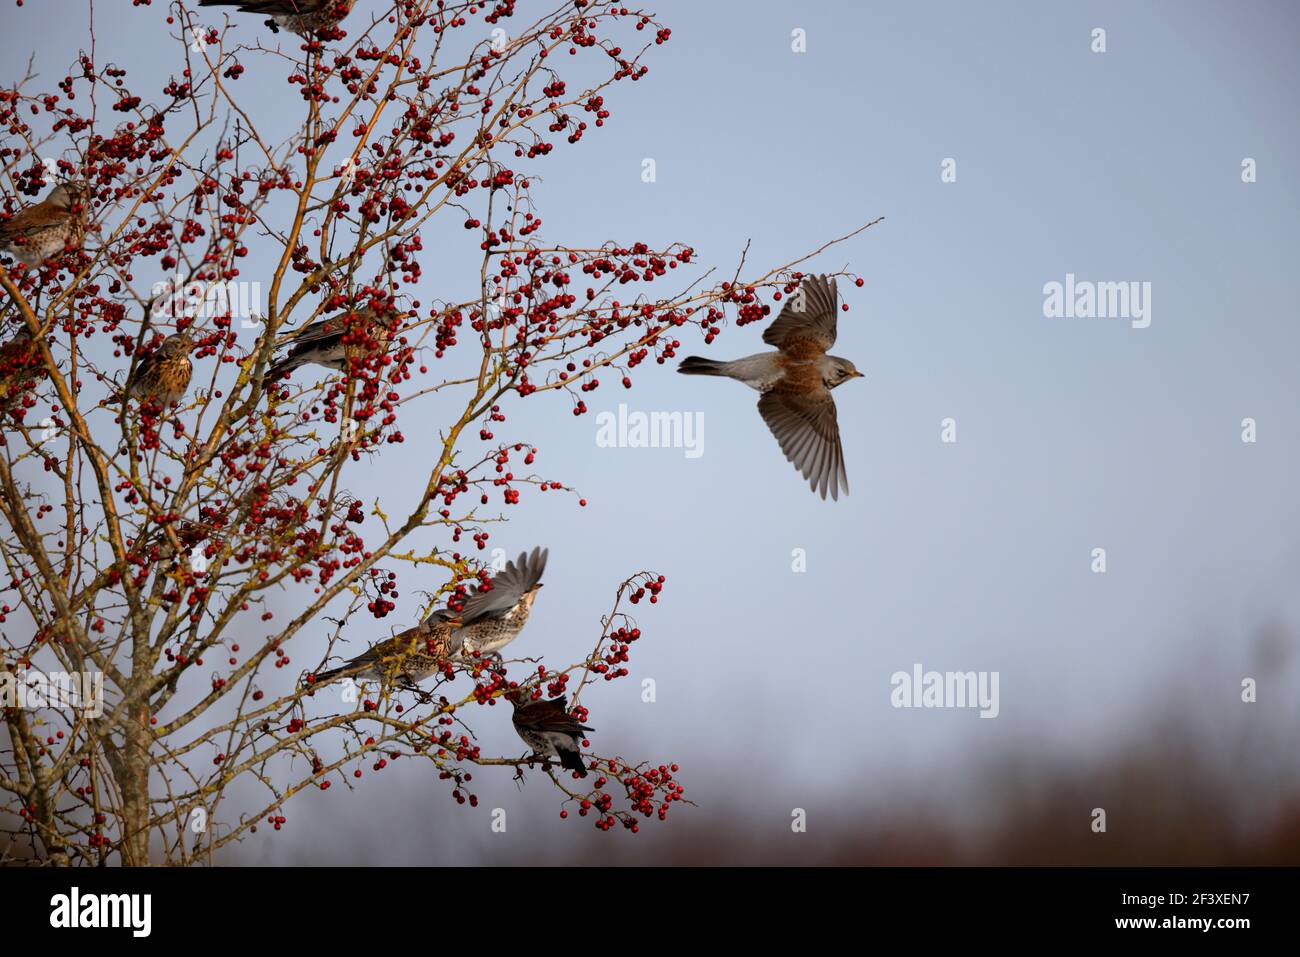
(336, 341)
(40, 231)
(549, 729)
(303, 17)
(795, 383)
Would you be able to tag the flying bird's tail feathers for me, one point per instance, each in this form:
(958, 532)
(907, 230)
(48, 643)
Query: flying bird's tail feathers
(695, 365)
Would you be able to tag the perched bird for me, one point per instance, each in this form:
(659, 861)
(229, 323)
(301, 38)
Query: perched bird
(493, 618)
(303, 17)
(19, 361)
(796, 383)
(41, 231)
(406, 658)
(547, 727)
(489, 621)
(335, 341)
(164, 374)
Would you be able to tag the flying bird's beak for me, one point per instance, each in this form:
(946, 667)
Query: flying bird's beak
(859, 375)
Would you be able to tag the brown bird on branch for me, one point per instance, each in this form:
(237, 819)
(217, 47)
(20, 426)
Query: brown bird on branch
(164, 374)
(303, 17)
(550, 730)
(489, 620)
(335, 342)
(406, 658)
(41, 231)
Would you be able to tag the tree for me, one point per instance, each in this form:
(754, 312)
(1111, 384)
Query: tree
(179, 552)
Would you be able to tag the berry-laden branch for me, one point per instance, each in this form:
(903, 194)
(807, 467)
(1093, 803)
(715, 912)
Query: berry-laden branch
(293, 742)
(229, 302)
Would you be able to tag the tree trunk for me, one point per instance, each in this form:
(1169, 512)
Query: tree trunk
(56, 849)
(131, 771)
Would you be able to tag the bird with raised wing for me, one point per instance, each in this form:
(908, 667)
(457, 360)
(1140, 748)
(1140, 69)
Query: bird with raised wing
(549, 729)
(493, 617)
(163, 375)
(38, 232)
(335, 342)
(488, 621)
(303, 17)
(795, 383)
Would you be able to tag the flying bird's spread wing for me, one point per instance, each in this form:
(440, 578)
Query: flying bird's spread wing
(805, 328)
(806, 426)
(511, 584)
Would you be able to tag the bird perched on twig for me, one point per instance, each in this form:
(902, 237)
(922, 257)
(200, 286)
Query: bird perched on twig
(164, 374)
(406, 658)
(492, 618)
(303, 17)
(796, 383)
(47, 228)
(336, 341)
(489, 621)
(549, 729)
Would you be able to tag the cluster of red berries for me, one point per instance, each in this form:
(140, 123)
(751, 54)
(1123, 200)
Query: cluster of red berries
(266, 505)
